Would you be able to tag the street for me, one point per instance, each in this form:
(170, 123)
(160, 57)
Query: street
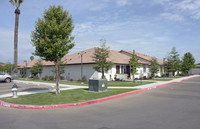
(175, 106)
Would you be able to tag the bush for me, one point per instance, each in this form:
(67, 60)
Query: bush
(45, 78)
(51, 78)
(184, 74)
(79, 80)
(84, 79)
(144, 78)
(156, 76)
(71, 79)
(164, 75)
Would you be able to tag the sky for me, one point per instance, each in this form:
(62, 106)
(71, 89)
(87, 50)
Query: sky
(150, 27)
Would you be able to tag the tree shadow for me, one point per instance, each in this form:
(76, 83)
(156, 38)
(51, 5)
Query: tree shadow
(35, 89)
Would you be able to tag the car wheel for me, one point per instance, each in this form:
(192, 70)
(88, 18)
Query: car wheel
(8, 80)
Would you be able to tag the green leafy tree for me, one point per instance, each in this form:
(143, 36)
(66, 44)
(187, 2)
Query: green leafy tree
(154, 66)
(134, 64)
(187, 63)
(17, 4)
(101, 56)
(173, 61)
(6, 67)
(52, 37)
(37, 68)
(23, 72)
(32, 58)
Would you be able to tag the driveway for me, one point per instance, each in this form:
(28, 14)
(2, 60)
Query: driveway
(5, 88)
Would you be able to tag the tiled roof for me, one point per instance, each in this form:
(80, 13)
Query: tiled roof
(143, 56)
(31, 63)
(117, 57)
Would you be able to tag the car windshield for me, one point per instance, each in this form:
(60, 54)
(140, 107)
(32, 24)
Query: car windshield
(1, 73)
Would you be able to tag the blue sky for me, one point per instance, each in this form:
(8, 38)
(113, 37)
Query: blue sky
(151, 27)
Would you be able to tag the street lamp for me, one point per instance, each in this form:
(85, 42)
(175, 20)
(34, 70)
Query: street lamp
(82, 66)
(26, 68)
(164, 68)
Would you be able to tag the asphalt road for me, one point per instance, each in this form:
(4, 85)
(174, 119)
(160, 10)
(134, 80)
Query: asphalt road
(174, 106)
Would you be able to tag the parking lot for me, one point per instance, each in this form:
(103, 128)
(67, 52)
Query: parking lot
(5, 88)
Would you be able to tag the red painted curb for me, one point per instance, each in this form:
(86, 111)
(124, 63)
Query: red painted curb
(19, 106)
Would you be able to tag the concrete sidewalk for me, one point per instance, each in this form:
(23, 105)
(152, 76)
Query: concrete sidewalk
(70, 87)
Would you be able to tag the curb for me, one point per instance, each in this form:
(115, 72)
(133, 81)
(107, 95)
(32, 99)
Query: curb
(19, 106)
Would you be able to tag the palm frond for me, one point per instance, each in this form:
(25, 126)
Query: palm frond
(18, 3)
(12, 2)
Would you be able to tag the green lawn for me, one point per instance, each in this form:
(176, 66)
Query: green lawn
(127, 83)
(68, 96)
(161, 79)
(177, 77)
(110, 83)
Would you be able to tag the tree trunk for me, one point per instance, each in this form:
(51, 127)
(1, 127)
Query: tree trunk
(57, 77)
(133, 79)
(17, 12)
(102, 77)
(173, 73)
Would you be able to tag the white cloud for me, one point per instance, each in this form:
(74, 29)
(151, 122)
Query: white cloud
(122, 2)
(172, 17)
(181, 9)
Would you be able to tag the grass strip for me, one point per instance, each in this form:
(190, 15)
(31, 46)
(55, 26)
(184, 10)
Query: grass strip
(67, 96)
(110, 83)
(127, 83)
(160, 79)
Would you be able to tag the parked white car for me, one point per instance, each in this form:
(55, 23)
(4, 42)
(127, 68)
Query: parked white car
(5, 77)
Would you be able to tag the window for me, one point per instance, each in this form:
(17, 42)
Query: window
(144, 69)
(118, 69)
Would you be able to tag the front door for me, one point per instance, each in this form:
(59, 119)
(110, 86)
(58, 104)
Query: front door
(128, 71)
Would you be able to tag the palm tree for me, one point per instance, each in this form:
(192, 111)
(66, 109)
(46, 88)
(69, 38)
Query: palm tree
(16, 3)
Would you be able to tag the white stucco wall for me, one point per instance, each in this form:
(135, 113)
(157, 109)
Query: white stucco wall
(74, 72)
(47, 71)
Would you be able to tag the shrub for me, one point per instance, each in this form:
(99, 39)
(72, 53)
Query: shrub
(79, 80)
(84, 79)
(164, 75)
(45, 78)
(71, 79)
(51, 78)
(184, 74)
(156, 76)
(144, 77)
(115, 77)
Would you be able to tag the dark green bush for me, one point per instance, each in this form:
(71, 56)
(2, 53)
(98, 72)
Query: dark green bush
(79, 80)
(51, 78)
(84, 79)
(45, 78)
(144, 77)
